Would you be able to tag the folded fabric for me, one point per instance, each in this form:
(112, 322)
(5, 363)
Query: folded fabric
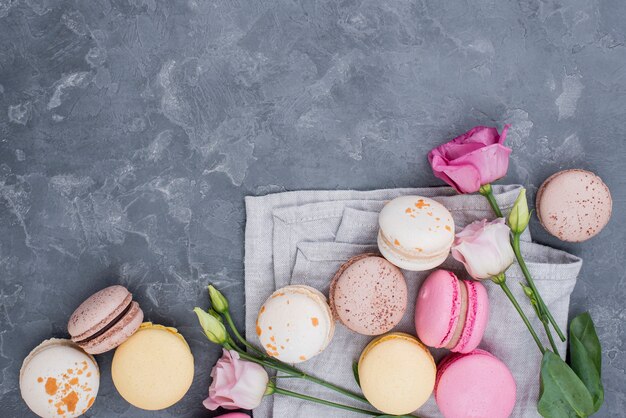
(303, 237)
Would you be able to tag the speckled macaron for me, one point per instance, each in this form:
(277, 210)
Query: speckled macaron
(58, 379)
(574, 205)
(295, 324)
(368, 295)
(415, 233)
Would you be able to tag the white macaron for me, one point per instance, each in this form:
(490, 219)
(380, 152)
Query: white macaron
(415, 233)
(59, 379)
(295, 324)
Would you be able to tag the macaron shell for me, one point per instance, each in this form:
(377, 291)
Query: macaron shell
(397, 373)
(117, 334)
(154, 368)
(59, 379)
(476, 318)
(368, 295)
(574, 205)
(295, 324)
(437, 308)
(97, 311)
(473, 385)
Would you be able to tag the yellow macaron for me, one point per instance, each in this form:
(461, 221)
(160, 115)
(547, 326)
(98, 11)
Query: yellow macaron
(153, 369)
(397, 373)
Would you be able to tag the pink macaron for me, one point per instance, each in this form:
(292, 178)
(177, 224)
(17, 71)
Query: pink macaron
(476, 384)
(105, 320)
(451, 313)
(368, 295)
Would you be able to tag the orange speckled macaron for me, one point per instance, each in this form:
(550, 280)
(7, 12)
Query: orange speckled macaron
(415, 233)
(58, 379)
(574, 205)
(295, 324)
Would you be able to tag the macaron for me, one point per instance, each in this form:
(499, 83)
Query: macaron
(451, 313)
(368, 295)
(415, 233)
(476, 384)
(105, 320)
(295, 324)
(153, 369)
(58, 379)
(397, 373)
(574, 205)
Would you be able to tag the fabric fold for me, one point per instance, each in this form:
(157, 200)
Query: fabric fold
(303, 238)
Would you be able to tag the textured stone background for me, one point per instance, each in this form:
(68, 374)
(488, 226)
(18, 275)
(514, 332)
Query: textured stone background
(130, 131)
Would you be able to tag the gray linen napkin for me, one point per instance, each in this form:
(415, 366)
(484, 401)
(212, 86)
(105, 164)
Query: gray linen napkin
(303, 237)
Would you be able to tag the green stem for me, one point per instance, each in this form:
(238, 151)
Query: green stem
(231, 324)
(507, 291)
(297, 395)
(292, 371)
(546, 326)
(515, 242)
(488, 193)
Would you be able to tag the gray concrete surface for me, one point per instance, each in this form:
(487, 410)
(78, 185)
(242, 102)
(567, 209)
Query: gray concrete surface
(130, 131)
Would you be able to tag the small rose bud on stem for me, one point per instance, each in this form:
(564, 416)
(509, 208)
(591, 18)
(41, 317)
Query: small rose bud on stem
(218, 301)
(213, 328)
(519, 216)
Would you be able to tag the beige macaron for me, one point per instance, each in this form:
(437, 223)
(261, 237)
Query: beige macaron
(397, 373)
(574, 205)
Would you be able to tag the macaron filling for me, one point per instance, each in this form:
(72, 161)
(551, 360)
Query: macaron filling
(108, 326)
(471, 316)
(458, 321)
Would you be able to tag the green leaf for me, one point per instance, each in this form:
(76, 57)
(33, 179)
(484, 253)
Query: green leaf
(355, 371)
(586, 356)
(563, 394)
(582, 327)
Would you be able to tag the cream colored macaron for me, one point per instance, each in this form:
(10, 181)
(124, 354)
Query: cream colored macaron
(295, 324)
(397, 373)
(153, 369)
(58, 379)
(415, 233)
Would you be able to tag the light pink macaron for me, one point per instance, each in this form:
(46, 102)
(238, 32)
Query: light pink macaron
(574, 205)
(475, 384)
(451, 313)
(368, 295)
(234, 415)
(105, 320)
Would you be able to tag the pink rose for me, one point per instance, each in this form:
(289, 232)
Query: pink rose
(484, 248)
(471, 160)
(236, 383)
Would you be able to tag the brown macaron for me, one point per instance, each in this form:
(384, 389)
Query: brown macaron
(368, 295)
(574, 205)
(105, 320)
